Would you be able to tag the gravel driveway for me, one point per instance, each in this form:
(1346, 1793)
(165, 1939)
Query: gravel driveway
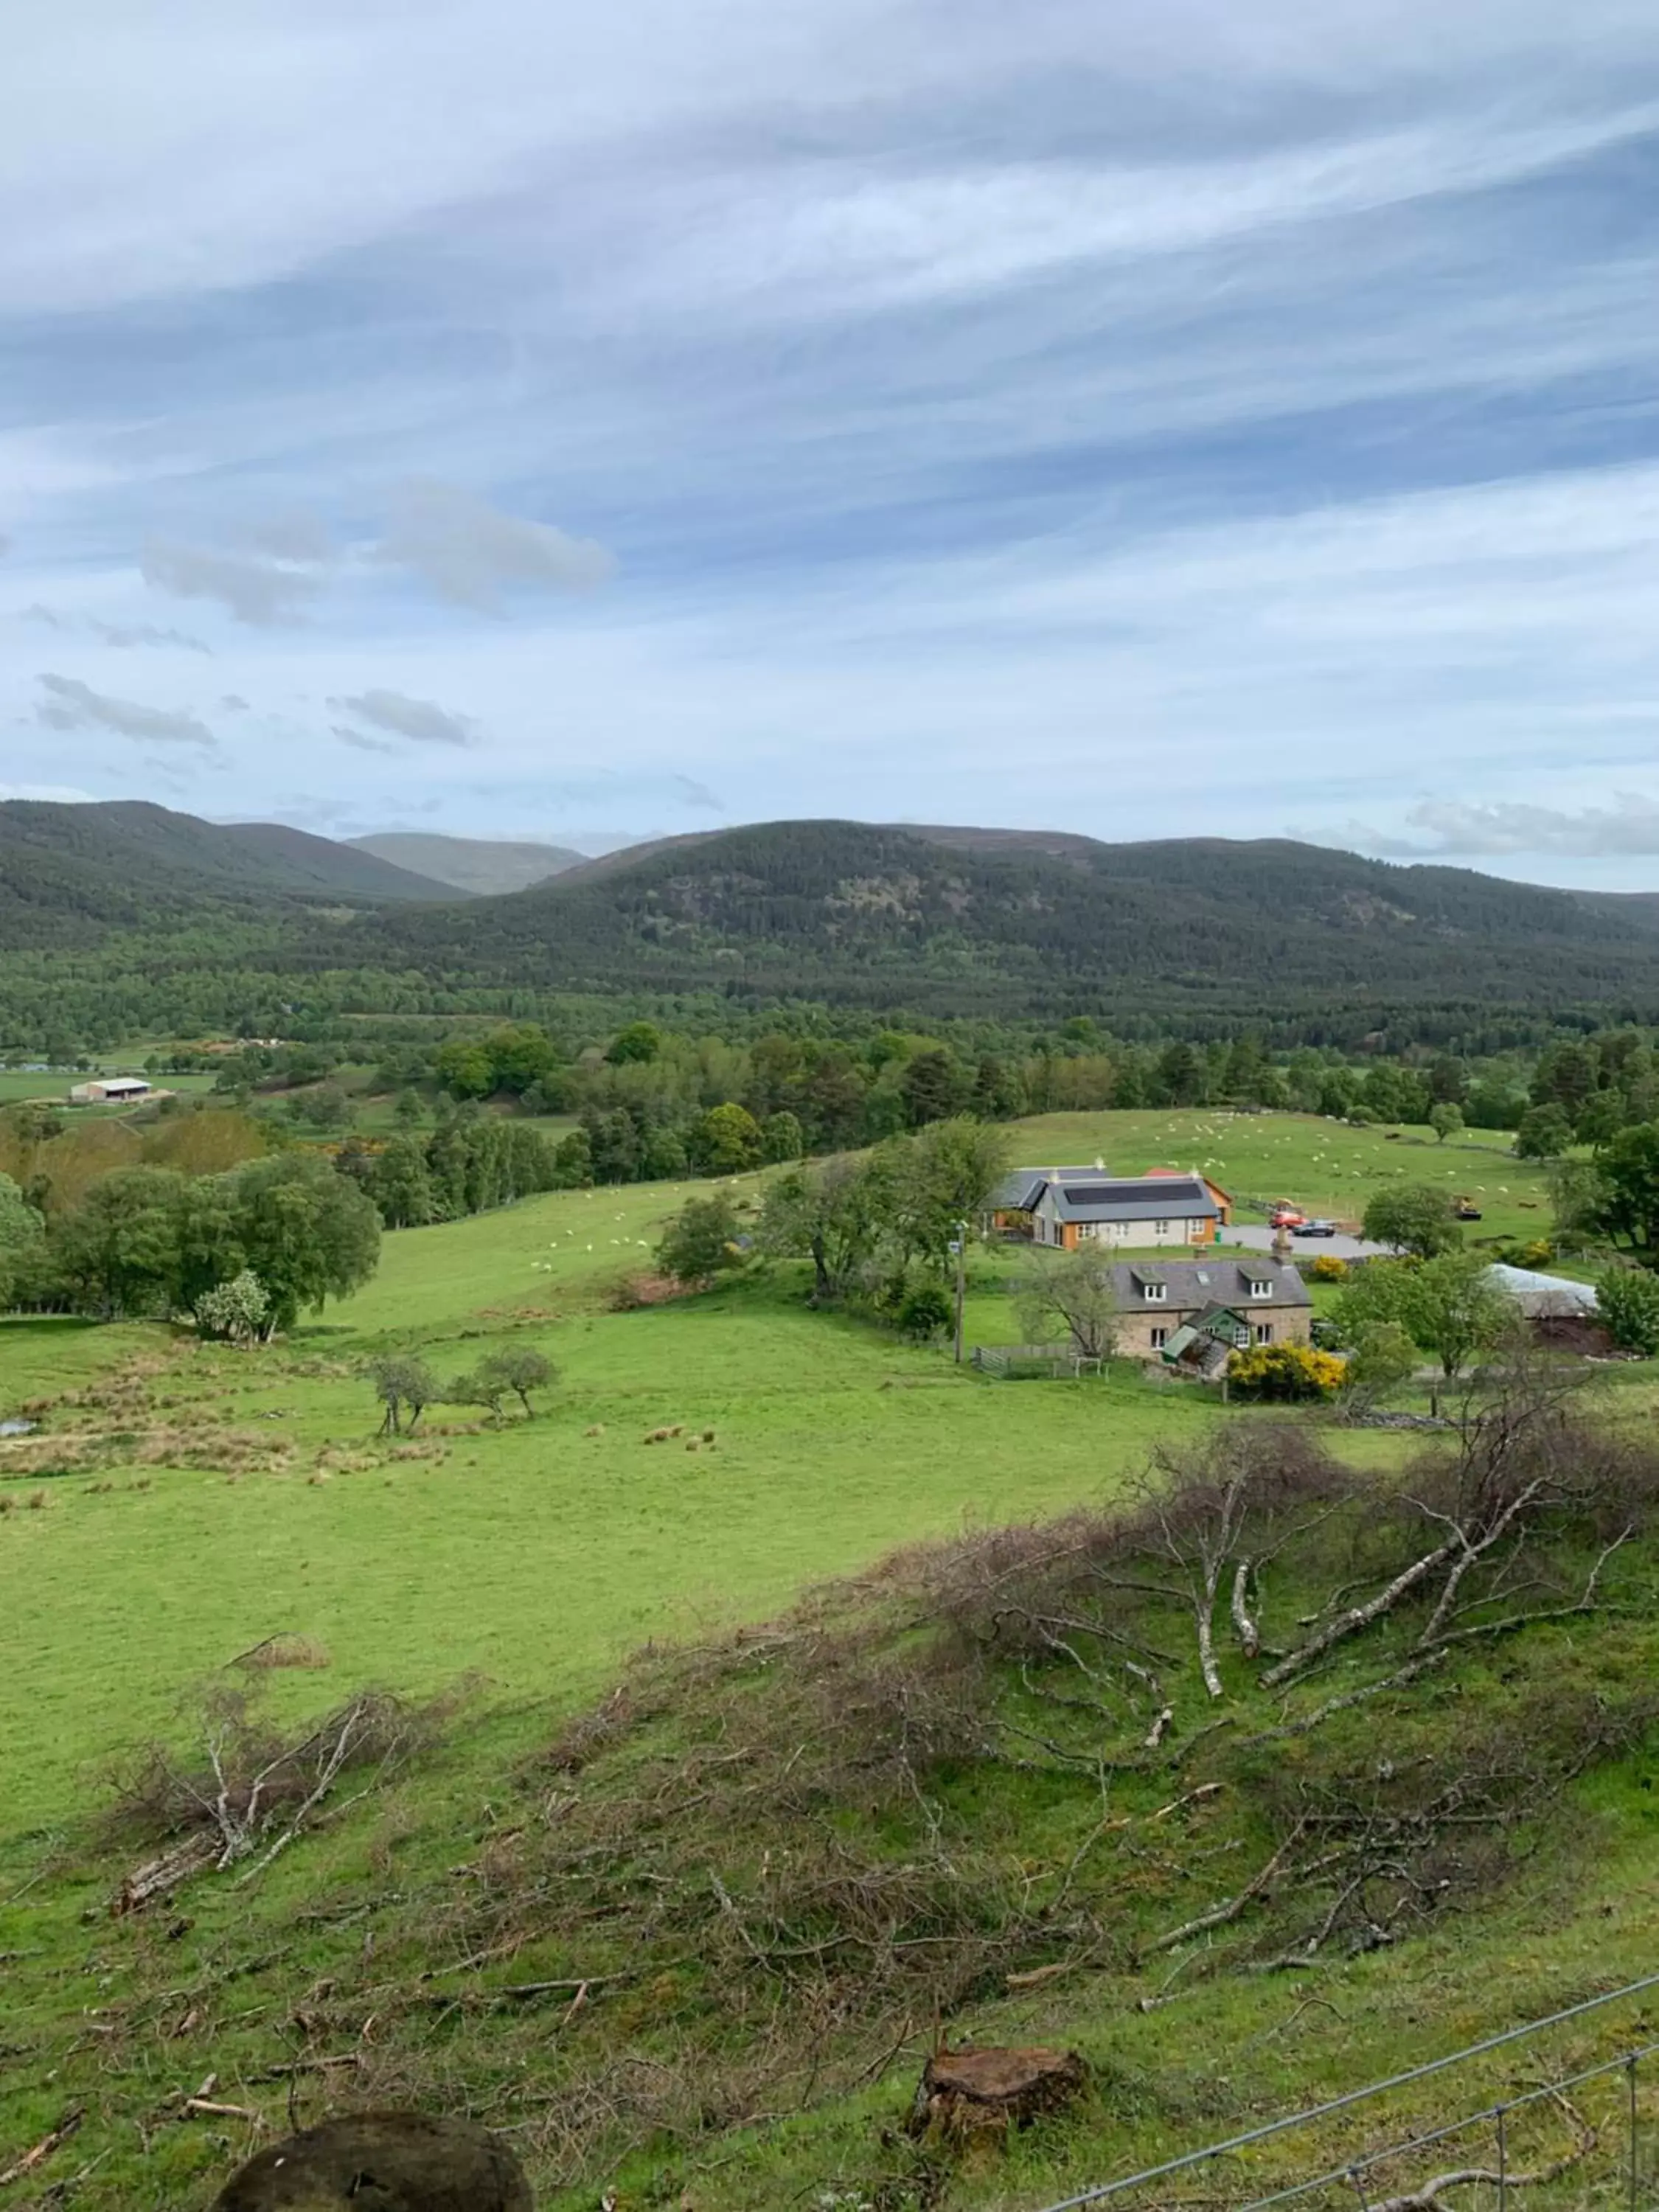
(1303, 1248)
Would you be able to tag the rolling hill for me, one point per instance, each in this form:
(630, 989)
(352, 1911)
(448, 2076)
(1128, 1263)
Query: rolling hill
(970, 920)
(70, 876)
(477, 866)
(173, 920)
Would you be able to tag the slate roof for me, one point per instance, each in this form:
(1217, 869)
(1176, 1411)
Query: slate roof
(1020, 1190)
(1145, 1198)
(1192, 1286)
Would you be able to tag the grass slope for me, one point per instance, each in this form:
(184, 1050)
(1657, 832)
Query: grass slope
(699, 1860)
(538, 1553)
(1326, 1167)
(835, 1443)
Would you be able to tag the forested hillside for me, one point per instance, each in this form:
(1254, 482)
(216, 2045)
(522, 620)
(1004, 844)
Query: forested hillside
(966, 919)
(124, 919)
(70, 876)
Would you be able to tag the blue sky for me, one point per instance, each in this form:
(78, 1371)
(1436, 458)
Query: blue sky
(1165, 419)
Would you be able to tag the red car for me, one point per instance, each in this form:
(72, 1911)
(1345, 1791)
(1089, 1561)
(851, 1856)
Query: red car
(1286, 1217)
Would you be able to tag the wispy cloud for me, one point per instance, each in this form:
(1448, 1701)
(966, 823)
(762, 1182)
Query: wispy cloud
(260, 592)
(299, 534)
(1219, 416)
(473, 554)
(422, 720)
(69, 704)
(1450, 829)
(125, 637)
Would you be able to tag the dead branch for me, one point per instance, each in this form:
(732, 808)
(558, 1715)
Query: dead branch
(1245, 1628)
(1219, 1914)
(43, 2149)
(1359, 1616)
(1469, 1555)
(1429, 2198)
(158, 1876)
(1507, 1626)
(1349, 1698)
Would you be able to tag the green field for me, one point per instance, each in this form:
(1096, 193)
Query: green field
(835, 1441)
(539, 1554)
(1327, 1168)
(17, 1089)
(229, 1496)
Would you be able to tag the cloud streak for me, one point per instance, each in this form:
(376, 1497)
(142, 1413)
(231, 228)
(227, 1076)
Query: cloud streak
(1459, 830)
(125, 637)
(473, 554)
(421, 720)
(261, 594)
(69, 704)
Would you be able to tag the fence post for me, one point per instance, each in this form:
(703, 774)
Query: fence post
(1502, 2161)
(1630, 2073)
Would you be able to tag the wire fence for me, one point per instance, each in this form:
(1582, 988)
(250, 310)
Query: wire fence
(1578, 2135)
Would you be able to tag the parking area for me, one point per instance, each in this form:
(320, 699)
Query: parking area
(1339, 1247)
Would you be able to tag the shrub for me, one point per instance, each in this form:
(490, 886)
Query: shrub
(1526, 1252)
(401, 1380)
(1629, 1301)
(1328, 1268)
(1416, 1217)
(925, 1313)
(236, 1312)
(1545, 1134)
(520, 1369)
(781, 1137)
(1284, 1373)
(702, 1241)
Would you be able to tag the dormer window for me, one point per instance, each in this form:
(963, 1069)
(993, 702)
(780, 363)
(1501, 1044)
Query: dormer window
(1259, 1288)
(1156, 1294)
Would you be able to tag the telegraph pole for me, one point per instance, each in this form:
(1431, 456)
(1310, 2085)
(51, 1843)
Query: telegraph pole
(959, 1246)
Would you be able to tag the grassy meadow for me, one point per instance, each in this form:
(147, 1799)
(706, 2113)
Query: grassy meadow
(834, 1442)
(219, 1498)
(1327, 1168)
(538, 1552)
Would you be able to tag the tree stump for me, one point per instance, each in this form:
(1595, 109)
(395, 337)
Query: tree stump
(382, 2162)
(963, 2090)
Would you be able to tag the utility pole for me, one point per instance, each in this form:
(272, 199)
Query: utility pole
(959, 1246)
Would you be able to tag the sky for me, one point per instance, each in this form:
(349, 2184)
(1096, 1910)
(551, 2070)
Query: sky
(521, 420)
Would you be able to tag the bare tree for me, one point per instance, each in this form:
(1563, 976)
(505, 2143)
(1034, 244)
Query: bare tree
(1071, 1291)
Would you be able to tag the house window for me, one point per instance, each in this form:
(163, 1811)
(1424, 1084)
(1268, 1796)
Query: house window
(1260, 1290)
(1160, 1337)
(1156, 1294)
(1264, 1332)
(1160, 1229)
(1242, 1338)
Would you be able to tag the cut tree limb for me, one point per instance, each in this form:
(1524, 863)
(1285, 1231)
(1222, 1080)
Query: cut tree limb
(1359, 1616)
(43, 2149)
(1230, 1908)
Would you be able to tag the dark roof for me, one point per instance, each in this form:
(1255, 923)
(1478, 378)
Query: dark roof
(1021, 1189)
(1192, 1286)
(1147, 1198)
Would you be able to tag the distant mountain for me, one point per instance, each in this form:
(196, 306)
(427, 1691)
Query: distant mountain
(477, 866)
(1007, 923)
(70, 875)
(305, 863)
(195, 923)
